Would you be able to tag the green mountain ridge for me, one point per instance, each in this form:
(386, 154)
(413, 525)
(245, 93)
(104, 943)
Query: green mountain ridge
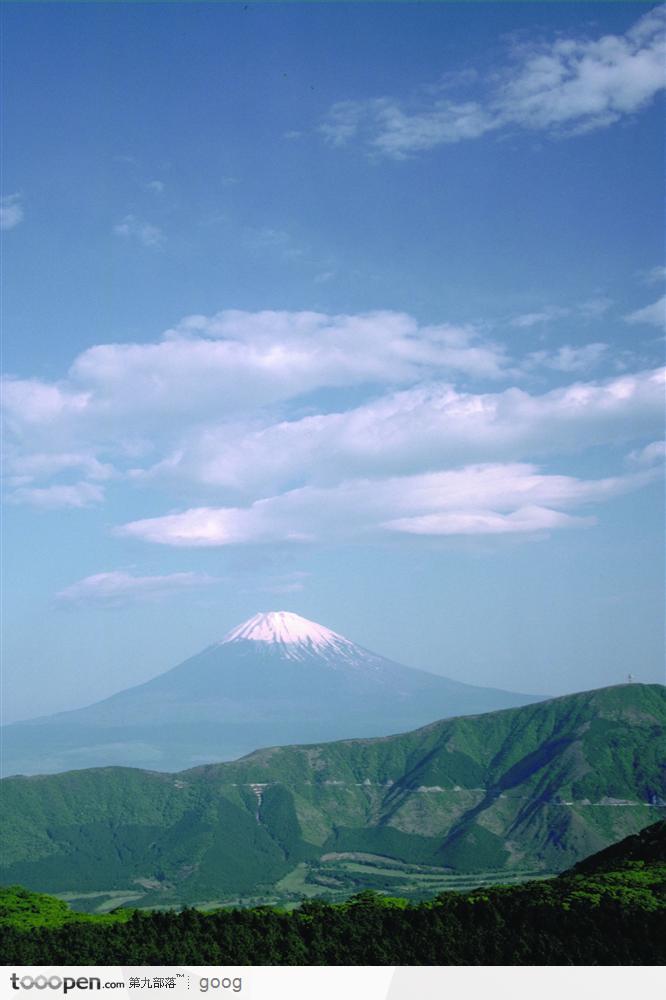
(519, 791)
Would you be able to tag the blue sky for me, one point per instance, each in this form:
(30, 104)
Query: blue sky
(354, 310)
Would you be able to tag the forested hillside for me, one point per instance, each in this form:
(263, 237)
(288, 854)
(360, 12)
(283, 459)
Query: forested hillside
(609, 915)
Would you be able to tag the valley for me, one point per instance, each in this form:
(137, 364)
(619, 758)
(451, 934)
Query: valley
(608, 909)
(333, 879)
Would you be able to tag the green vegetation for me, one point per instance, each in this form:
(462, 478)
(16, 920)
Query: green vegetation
(24, 910)
(515, 793)
(612, 913)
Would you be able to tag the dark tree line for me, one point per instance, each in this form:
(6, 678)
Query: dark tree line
(503, 927)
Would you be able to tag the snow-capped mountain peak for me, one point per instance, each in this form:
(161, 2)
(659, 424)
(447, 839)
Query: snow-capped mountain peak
(284, 628)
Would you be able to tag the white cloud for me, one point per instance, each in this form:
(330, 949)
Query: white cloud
(32, 402)
(202, 410)
(11, 211)
(569, 85)
(654, 314)
(345, 119)
(651, 454)
(655, 275)
(478, 499)
(587, 84)
(546, 315)
(413, 430)
(144, 232)
(591, 309)
(177, 411)
(567, 358)
(58, 496)
(392, 131)
(234, 360)
(124, 406)
(594, 308)
(31, 467)
(156, 187)
(487, 522)
(118, 588)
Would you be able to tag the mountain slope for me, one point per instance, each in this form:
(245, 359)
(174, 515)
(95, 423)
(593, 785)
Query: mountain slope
(533, 788)
(278, 678)
(647, 846)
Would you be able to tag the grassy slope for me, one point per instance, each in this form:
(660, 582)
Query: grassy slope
(528, 788)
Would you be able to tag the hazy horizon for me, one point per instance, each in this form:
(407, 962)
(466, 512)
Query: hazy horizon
(351, 310)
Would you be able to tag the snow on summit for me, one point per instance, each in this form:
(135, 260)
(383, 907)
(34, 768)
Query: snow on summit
(285, 627)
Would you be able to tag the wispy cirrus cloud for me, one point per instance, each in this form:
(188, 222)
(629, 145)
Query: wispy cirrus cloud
(653, 314)
(525, 321)
(567, 358)
(11, 211)
(589, 310)
(594, 308)
(26, 468)
(119, 588)
(58, 496)
(145, 233)
(566, 86)
(655, 275)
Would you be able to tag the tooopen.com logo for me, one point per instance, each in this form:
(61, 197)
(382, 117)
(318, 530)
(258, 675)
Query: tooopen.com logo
(64, 983)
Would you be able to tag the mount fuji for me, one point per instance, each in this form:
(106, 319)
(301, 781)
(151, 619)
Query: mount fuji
(276, 679)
